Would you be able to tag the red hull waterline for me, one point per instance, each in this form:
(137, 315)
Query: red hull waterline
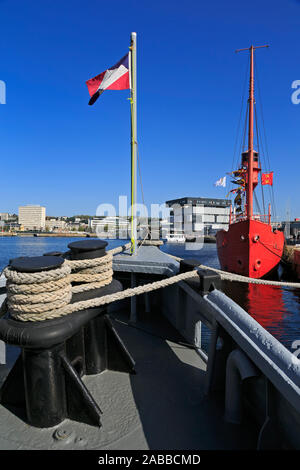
(250, 248)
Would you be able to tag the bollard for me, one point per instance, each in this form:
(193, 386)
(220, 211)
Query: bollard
(42, 383)
(186, 265)
(45, 383)
(87, 249)
(98, 341)
(209, 280)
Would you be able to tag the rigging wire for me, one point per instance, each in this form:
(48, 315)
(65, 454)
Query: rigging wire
(243, 144)
(242, 147)
(258, 150)
(257, 203)
(235, 158)
(131, 325)
(271, 188)
(240, 116)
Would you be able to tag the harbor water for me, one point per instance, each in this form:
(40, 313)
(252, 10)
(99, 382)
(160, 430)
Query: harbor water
(276, 309)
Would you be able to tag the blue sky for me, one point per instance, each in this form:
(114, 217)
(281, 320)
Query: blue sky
(57, 151)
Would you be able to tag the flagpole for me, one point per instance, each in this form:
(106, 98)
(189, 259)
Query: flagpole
(133, 143)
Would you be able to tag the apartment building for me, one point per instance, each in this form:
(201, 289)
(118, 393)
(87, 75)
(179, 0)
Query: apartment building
(32, 217)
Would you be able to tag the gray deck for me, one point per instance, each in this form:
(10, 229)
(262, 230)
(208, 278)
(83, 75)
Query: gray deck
(148, 259)
(161, 407)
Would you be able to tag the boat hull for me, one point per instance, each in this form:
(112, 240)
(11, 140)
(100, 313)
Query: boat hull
(250, 248)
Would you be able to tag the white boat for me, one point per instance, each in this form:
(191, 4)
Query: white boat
(175, 238)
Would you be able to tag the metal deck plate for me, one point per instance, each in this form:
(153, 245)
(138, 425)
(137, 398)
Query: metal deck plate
(148, 259)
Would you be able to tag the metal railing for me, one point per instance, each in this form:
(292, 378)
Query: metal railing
(276, 366)
(234, 218)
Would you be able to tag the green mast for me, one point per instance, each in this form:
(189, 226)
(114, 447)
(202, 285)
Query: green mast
(133, 143)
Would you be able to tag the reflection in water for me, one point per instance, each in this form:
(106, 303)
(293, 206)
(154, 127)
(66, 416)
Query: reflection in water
(264, 303)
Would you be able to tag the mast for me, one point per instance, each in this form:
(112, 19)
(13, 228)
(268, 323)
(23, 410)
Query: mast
(249, 188)
(250, 138)
(133, 142)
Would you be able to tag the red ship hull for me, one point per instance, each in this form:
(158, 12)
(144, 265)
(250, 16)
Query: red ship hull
(250, 248)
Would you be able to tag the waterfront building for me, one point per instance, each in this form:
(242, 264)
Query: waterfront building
(110, 226)
(4, 216)
(198, 215)
(32, 217)
(11, 226)
(55, 224)
(73, 226)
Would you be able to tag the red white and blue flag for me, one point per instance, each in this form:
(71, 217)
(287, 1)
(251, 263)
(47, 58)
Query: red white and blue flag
(115, 78)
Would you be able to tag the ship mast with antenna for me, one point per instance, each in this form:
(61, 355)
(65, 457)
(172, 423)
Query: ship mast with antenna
(251, 101)
(250, 247)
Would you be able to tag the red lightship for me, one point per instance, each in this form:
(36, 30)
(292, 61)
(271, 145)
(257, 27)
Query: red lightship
(250, 246)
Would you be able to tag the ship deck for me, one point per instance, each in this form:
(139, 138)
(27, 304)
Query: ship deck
(162, 406)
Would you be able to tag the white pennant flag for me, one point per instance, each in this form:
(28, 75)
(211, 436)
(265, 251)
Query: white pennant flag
(221, 182)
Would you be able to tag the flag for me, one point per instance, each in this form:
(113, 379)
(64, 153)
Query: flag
(221, 182)
(114, 78)
(267, 178)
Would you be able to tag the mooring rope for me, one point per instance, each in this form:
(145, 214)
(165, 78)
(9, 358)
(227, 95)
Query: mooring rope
(47, 295)
(226, 276)
(101, 301)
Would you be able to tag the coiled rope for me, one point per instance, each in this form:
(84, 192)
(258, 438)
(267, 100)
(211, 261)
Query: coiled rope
(44, 295)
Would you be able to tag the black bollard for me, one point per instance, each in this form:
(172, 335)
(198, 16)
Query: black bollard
(44, 389)
(186, 265)
(45, 383)
(42, 384)
(89, 343)
(87, 249)
(209, 280)
(98, 342)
